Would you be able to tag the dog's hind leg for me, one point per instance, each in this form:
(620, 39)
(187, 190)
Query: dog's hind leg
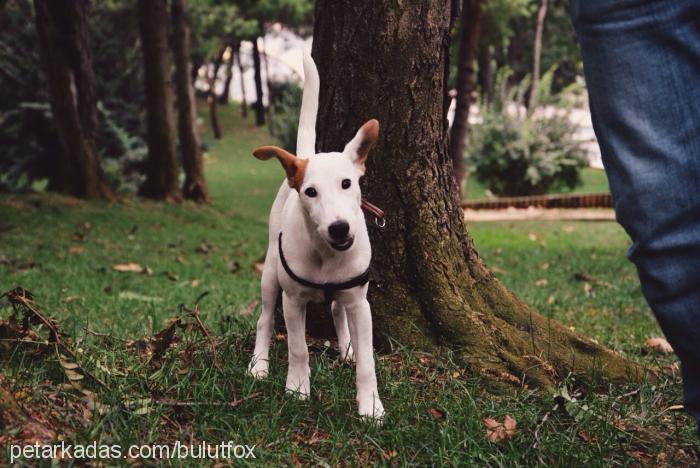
(298, 372)
(341, 329)
(258, 366)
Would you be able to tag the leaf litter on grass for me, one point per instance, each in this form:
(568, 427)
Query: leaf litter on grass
(43, 341)
(181, 339)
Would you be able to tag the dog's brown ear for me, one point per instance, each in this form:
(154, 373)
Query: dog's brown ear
(293, 166)
(366, 137)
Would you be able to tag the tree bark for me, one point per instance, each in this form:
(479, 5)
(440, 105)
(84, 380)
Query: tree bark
(429, 288)
(62, 26)
(485, 74)
(211, 94)
(194, 187)
(244, 104)
(267, 82)
(536, 54)
(161, 169)
(469, 32)
(259, 106)
(225, 96)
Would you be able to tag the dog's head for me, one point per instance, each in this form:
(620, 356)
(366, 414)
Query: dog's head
(328, 184)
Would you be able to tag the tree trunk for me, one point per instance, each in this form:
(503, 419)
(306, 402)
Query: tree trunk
(62, 26)
(267, 82)
(485, 74)
(429, 289)
(258, 106)
(225, 96)
(211, 94)
(536, 54)
(194, 72)
(470, 28)
(244, 104)
(161, 170)
(194, 188)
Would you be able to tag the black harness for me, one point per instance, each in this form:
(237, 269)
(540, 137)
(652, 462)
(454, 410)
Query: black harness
(327, 288)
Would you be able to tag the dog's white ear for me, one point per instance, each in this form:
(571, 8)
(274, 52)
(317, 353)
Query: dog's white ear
(358, 148)
(293, 166)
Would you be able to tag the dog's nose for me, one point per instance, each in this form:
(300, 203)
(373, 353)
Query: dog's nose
(339, 230)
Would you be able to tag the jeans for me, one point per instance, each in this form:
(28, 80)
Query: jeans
(642, 66)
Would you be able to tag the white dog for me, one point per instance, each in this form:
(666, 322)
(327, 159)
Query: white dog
(318, 250)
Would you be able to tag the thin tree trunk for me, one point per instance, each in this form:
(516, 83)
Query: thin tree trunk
(161, 170)
(267, 81)
(194, 72)
(244, 104)
(259, 106)
(64, 40)
(194, 187)
(536, 54)
(429, 288)
(225, 96)
(470, 29)
(211, 95)
(485, 74)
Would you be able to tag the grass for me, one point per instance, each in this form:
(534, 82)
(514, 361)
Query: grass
(592, 181)
(63, 251)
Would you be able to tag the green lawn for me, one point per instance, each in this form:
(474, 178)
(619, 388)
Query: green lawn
(63, 251)
(592, 181)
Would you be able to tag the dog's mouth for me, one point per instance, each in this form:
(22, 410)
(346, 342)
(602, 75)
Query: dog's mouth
(345, 245)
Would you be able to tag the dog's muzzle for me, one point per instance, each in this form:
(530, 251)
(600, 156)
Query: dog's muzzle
(342, 246)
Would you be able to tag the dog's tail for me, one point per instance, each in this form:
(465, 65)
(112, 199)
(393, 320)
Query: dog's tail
(306, 135)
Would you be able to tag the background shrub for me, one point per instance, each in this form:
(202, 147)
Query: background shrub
(286, 103)
(28, 137)
(514, 152)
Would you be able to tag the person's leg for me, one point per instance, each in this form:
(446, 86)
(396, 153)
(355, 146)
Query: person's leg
(642, 65)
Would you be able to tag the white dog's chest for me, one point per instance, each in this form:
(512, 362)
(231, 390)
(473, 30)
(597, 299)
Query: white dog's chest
(316, 294)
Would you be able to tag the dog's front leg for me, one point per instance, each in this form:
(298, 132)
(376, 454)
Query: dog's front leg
(258, 366)
(342, 331)
(360, 322)
(295, 320)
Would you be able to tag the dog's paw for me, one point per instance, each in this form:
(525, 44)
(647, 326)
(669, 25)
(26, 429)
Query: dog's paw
(370, 408)
(298, 386)
(347, 355)
(258, 369)
(297, 393)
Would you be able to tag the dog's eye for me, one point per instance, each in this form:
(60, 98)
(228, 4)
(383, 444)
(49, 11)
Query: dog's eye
(310, 192)
(345, 184)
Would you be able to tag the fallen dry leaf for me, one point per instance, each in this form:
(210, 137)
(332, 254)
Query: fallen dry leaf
(76, 249)
(499, 431)
(249, 308)
(127, 267)
(659, 345)
(194, 283)
(258, 267)
(541, 282)
(436, 413)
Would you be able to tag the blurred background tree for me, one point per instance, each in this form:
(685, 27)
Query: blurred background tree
(227, 40)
